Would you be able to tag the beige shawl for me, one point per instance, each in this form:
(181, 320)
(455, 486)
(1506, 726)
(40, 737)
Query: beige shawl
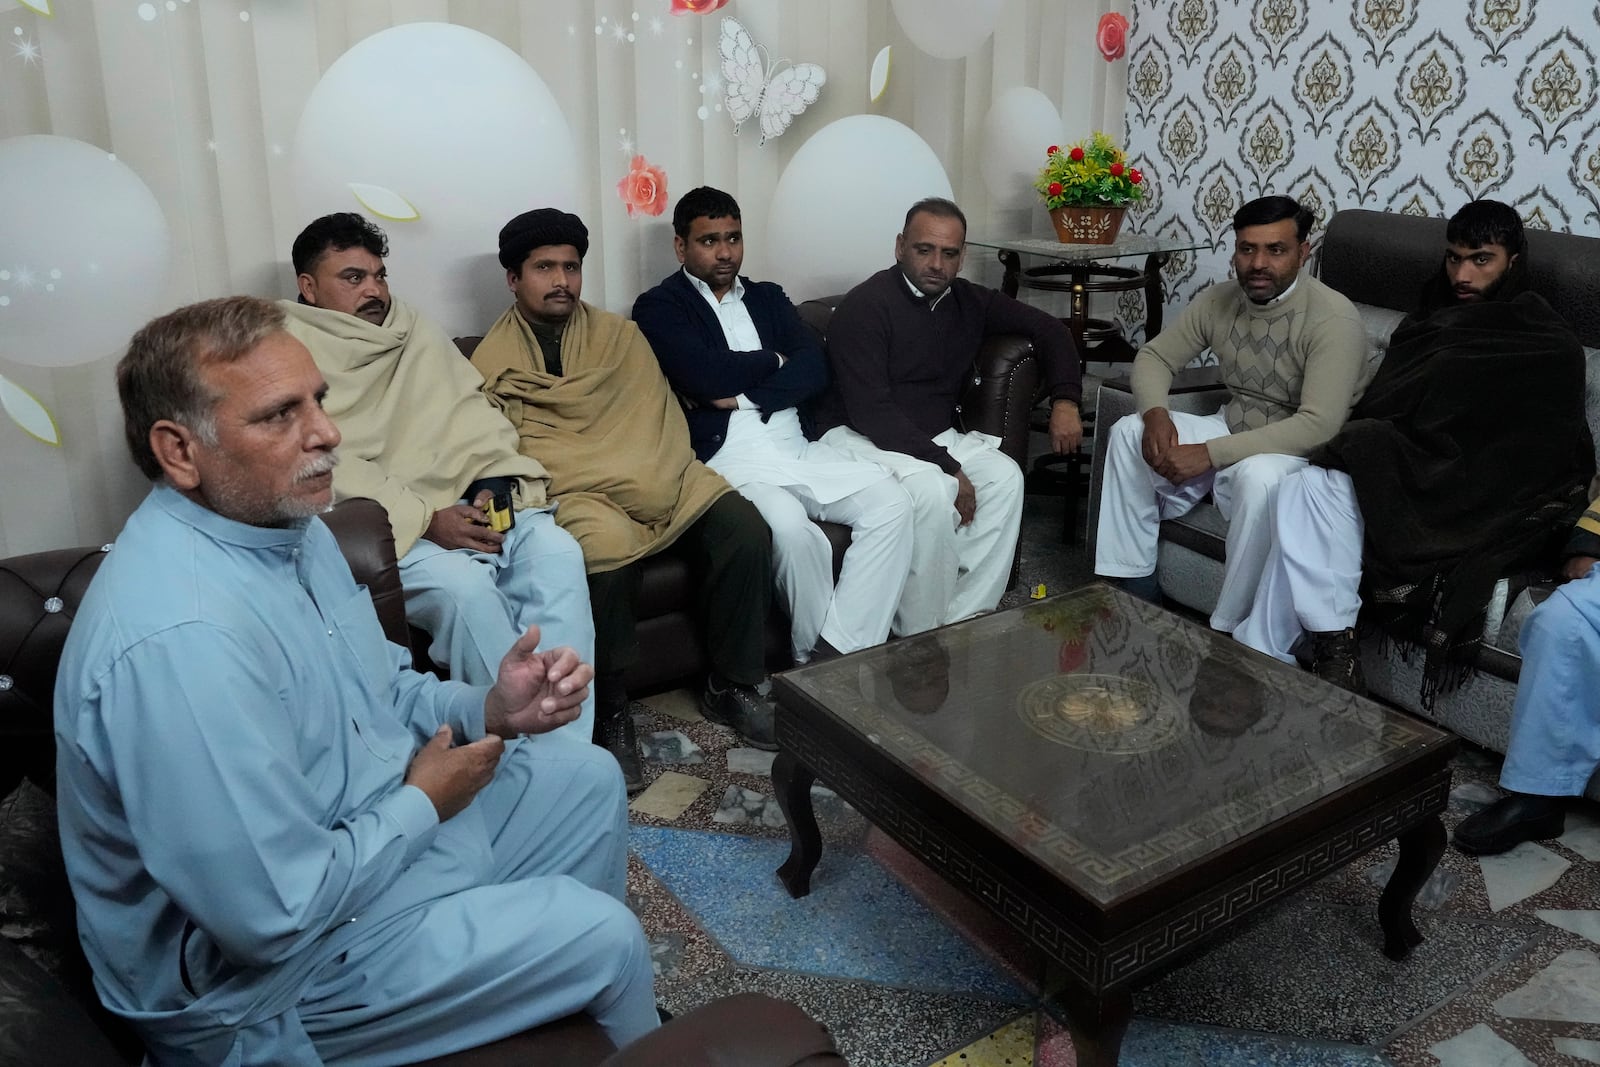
(417, 430)
(608, 429)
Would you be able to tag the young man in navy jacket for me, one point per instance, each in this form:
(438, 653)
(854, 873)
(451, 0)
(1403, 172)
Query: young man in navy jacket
(743, 363)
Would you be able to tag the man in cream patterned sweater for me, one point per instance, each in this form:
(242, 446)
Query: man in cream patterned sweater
(1294, 358)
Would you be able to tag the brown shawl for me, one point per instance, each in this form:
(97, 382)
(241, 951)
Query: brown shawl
(608, 429)
(416, 429)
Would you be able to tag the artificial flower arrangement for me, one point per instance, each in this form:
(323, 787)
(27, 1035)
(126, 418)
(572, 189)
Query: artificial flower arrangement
(1092, 173)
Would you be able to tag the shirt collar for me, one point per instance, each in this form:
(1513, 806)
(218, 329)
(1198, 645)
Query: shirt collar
(1281, 297)
(734, 295)
(225, 529)
(920, 295)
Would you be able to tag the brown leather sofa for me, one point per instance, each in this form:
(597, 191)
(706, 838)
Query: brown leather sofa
(44, 1021)
(1005, 381)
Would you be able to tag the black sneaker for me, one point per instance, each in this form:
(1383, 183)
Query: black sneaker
(745, 710)
(1336, 659)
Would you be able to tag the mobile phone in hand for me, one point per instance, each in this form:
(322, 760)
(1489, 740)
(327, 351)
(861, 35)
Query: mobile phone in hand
(501, 517)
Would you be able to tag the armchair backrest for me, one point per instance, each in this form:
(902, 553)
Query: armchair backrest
(1383, 259)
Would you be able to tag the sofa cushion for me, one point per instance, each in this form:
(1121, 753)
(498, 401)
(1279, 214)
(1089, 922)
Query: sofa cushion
(1202, 529)
(40, 1022)
(1379, 323)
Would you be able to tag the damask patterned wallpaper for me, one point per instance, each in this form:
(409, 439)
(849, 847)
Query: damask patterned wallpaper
(1391, 105)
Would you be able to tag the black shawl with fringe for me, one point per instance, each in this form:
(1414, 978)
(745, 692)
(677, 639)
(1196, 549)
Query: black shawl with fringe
(1469, 453)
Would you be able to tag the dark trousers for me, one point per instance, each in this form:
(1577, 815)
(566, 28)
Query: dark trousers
(731, 547)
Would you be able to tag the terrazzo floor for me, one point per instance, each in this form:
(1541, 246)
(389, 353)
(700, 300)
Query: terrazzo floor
(907, 971)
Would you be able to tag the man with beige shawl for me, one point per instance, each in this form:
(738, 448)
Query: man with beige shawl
(421, 439)
(588, 400)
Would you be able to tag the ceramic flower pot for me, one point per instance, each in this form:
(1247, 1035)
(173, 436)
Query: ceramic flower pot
(1087, 225)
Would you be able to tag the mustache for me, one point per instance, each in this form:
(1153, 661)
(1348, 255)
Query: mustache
(375, 303)
(316, 468)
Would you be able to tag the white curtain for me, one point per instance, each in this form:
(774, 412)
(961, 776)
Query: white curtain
(203, 103)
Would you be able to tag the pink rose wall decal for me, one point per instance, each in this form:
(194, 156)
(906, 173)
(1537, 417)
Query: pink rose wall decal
(643, 189)
(1112, 36)
(696, 7)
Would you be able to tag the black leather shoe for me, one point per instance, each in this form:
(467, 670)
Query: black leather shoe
(745, 710)
(824, 652)
(1509, 821)
(1336, 658)
(614, 732)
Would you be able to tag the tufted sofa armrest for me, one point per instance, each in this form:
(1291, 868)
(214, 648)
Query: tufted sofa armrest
(39, 596)
(361, 526)
(1001, 393)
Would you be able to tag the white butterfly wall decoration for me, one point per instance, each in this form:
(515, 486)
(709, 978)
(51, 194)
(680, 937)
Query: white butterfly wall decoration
(751, 86)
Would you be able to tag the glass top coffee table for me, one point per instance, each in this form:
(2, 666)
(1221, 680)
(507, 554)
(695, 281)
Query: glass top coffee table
(1115, 782)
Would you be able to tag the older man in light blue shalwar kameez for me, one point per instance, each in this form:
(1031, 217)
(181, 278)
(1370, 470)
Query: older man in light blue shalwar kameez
(266, 866)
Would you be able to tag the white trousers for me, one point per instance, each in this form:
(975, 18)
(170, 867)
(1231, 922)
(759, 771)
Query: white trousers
(1312, 580)
(476, 604)
(956, 571)
(1134, 499)
(855, 613)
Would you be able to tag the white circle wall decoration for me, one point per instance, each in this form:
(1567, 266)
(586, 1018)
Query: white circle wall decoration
(86, 249)
(1022, 123)
(464, 135)
(947, 29)
(841, 200)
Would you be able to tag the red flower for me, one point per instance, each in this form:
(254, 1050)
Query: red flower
(644, 189)
(1116, 170)
(1052, 150)
(1135, 176)
(1055, 188)
(695, 7)
(1072, 655)
(1112, 36)
(1076, 155)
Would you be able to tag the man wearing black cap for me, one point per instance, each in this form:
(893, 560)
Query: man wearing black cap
(587, 397)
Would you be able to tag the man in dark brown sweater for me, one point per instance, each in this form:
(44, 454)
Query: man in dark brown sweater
(901, 347)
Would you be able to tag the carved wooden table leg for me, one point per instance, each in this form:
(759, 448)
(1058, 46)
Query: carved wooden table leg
(791, 782)
(1420, 849)
(1097, 1025)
